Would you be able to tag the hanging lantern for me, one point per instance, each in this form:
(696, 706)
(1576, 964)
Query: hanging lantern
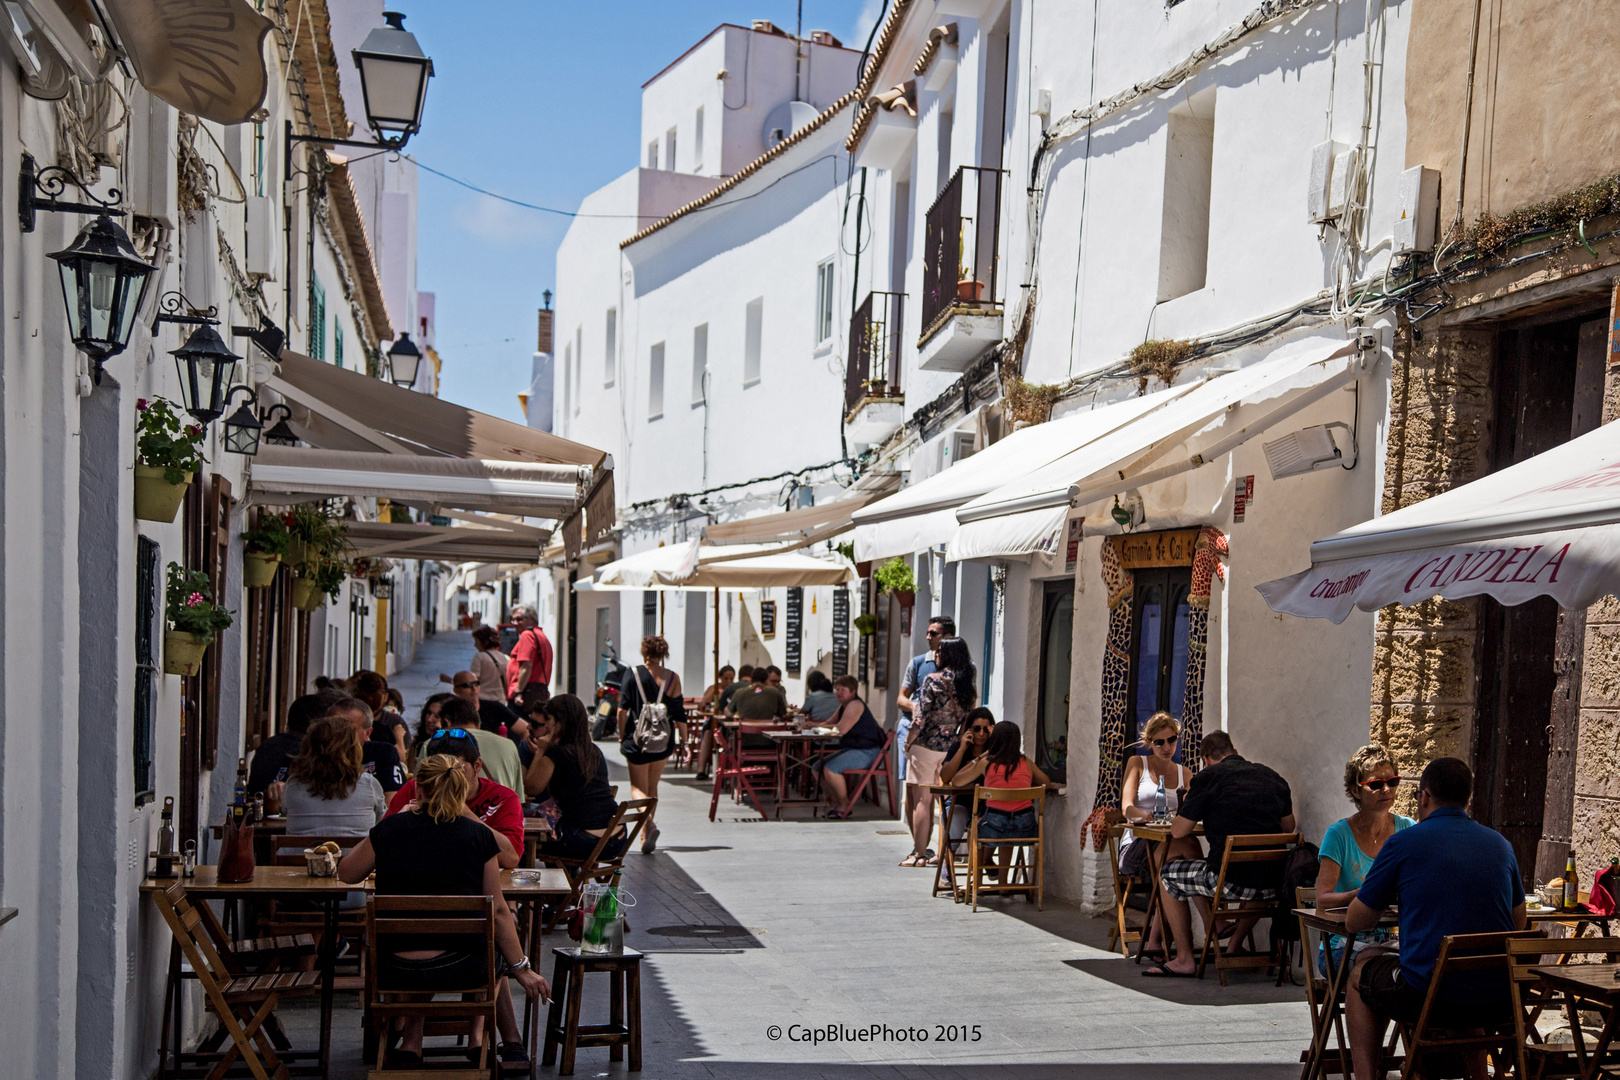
(404, 358)
(206, 367)
(279, 433)
(243, 428)
(103, 284)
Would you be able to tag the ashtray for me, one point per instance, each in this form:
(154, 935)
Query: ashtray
(525, 877)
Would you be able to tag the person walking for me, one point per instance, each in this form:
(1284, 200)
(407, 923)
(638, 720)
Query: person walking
(943, 702)
(530, 664)
(923, 665)
(649, 683)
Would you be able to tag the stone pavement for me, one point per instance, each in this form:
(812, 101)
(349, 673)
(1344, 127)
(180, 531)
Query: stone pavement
(756, 930)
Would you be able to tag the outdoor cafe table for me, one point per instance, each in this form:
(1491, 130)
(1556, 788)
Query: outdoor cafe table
(1159, 835)
(295, 882)
(1331, 921)
(1587, 985)
(812, 745)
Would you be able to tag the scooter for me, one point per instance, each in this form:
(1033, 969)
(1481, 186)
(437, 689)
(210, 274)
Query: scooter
(607, 695)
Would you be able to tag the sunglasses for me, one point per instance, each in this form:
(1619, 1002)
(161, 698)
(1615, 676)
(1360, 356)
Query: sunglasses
(934, 633)
(450, 733)
(979, 730)
(1378, 785)
(1171, 741)
(470, 682)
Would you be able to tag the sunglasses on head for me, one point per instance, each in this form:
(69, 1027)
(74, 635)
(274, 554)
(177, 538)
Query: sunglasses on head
(1378, 785)
(1171, 741)
(450, 733)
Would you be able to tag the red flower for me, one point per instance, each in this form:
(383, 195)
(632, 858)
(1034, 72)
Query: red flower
(140, 403)
(193, 430)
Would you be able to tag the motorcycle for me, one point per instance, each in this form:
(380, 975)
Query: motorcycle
(609, 679)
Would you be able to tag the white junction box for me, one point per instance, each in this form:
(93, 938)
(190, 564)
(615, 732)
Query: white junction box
(1416, 210)
(1344, 178)
(1320, 188)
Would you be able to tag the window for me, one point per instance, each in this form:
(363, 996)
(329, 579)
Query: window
(317, 320)
(655, 382)
(824, 302)
(579, 365)
(652, 154)
(669, 150)
(753, 333)
(610, 358)
(649, 613)
(146, 665)
(697, 141)
(337, 345)
(700, 364)
(1188, 162)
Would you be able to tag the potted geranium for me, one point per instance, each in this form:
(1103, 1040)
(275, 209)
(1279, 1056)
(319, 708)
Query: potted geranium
(318, 580)
(263, 548)
(193, 617)
(168, 454)
(895, 578)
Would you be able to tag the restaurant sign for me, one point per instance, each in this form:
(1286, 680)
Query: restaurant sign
(1143, 551)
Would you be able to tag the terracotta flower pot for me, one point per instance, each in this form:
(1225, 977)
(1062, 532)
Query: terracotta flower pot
(306, 595)
(905, 597)
(259, 569)
(183, 652)
(969, 291)
(155, 498)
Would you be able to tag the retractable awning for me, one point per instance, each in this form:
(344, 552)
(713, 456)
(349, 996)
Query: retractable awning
(532, 490)
(1025, 517)
(1548, 526)
(517, 544)
(924, 514)
(797, 528)
(683, 566)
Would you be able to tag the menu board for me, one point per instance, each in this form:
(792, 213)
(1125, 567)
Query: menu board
(865, 648)
(795, 628)
(840, 633)
(767, 618)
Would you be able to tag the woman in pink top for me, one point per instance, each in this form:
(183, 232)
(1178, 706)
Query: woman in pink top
(1004, 766)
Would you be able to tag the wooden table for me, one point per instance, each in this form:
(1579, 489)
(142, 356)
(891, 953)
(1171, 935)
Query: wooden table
(1159, 835)
(295, 882)
(814, 744)
(1598, 984)
(1331, 921)
(535, 832)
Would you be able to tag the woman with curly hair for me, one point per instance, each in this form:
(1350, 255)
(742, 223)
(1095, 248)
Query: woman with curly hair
(649, 683)
(426, 726)
(1351, 844)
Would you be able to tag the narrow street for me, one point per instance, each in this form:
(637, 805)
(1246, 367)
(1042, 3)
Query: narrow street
(752, 926)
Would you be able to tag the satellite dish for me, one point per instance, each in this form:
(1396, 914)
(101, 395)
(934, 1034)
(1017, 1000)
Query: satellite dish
(787, 118)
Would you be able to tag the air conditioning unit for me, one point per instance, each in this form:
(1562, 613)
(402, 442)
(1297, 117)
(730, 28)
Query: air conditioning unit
(1417, 206)
(1308, 450)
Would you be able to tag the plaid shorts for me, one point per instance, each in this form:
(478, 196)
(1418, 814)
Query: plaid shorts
(1195, 877)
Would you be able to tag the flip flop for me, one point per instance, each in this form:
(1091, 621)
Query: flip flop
(1163, 971)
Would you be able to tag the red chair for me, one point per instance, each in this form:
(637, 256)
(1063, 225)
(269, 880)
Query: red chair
(884, 767)
(732, 766)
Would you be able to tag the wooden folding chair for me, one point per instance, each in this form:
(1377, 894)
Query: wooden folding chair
(1026, 870)
(597, 866)
(730, 769)
(244, 1004)
(1473, 1028)
(279, 918)
(881, 766)
(1252, 850)
(1537, 1058)
(1122, 933)
(468, 917)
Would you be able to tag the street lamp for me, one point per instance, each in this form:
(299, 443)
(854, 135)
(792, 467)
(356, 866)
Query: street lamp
(382, 588)
(206, 367)
(404, 359)
(243, 429)
(103, 284)
(280, 434)
(394, 75)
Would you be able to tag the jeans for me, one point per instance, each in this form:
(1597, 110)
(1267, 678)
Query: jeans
(900, 745)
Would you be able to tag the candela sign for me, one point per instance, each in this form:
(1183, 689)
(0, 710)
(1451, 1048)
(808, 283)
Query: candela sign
(1500, 566)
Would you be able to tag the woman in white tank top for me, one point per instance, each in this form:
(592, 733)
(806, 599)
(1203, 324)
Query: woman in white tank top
(1140, 787)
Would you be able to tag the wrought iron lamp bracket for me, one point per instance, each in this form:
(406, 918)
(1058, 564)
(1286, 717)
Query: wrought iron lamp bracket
(173, 307)
(40, 189)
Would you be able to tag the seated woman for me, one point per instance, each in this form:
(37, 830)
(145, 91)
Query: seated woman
(425, 727)
(569, 767)
(969, 749)
(860, 740)
(822, 701)
(1351, 844)
(439, 848)
(328, 793)
(1140, 789)
(1004, 766)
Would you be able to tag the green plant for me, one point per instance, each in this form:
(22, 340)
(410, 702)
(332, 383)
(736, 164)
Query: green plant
(866, 624)
(1160, 358)
(895, 576)
(162, 441)
(846, 549)
(327, 574)
(189, 603)
(319, 529)
(269, 537)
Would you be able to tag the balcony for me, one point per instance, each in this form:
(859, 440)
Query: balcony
(874, 407)
(962, 312)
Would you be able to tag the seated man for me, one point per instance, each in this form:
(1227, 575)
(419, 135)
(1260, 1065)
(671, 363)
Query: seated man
(1453, 876)
(494, 805)
(1232, 797)
(759, 701)
(501, 761)
(493, 715)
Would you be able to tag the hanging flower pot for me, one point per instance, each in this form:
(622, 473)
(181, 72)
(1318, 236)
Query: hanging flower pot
(259, 569)
(155, 498)
(904, 597)
(297, 551)
(307, 595)
(183, 652)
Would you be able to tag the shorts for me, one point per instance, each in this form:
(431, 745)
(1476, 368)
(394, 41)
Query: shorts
(634, 757)
(1195, 877)
(1007, 824)
(1382, 984)
(922, 765)
(852, 760)
(457, 969)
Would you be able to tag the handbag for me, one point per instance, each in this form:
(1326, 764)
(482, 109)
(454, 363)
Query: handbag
(652, 731)
(236, 853)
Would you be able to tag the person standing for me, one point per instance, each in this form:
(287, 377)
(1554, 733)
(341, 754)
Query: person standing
(531, 656)
(943, 702)
(922, 665)
(649, 683)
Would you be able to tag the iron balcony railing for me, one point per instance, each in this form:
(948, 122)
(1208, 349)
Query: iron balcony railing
(874, 349)
(961, 236)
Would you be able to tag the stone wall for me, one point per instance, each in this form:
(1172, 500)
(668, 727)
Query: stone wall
(1440, 430)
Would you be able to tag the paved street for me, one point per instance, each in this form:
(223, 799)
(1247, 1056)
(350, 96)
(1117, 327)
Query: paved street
(751, 925)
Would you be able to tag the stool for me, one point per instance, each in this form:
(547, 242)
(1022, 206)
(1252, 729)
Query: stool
(624, 1008)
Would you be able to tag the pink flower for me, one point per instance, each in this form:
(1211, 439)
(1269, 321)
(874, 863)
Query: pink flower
(140, 403)
(193, 430)
(194, 599)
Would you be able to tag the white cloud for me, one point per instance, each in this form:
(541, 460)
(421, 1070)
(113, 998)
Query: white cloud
(870, 10)
(500, 223)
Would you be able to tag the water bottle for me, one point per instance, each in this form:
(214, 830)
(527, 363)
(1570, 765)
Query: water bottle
(1161, 807)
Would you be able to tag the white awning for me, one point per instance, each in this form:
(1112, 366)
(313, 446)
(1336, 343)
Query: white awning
(924, 514)
(681, 567)
(1548, 526)
(532, 490)
(800, 528)
(513, 543)
(1023, 517)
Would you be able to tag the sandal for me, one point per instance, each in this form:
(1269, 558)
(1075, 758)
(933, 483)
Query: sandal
(911, 860)
(837, 815)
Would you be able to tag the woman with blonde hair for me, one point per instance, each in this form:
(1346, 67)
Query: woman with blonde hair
(1139, 792)
(438, 847)
(1351, 844)
(328, 792)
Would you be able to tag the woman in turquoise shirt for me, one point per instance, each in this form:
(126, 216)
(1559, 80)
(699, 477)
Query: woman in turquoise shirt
(1351, 844)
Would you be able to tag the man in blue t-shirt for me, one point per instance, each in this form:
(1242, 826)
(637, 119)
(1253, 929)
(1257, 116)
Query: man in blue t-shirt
(940, 627)
(1451, 875)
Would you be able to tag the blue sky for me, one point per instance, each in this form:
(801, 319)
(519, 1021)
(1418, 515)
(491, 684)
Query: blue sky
(540, 101)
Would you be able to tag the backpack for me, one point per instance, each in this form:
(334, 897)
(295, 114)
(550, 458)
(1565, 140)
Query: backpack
(1299, 872)
(652, 732)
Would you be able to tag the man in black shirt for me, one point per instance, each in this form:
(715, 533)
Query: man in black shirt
(1232, 797)
(379, 759)
(270, 759)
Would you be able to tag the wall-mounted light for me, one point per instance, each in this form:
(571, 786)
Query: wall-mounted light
(103, 284)
(206, 368)
(243, 428)
(394, 74)
(279, 433)
(382, 588)
(404, 359)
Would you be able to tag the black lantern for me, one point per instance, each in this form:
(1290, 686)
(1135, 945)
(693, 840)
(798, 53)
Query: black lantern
(243, 429)
(404, 359)
(394, 75)
(206, 367)
(103, 283)
(280, 434)
(382, 588)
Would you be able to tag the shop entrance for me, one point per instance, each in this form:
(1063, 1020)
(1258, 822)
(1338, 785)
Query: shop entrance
(1159, 647)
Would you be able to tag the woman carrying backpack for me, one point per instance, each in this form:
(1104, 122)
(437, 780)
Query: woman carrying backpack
(650, 706)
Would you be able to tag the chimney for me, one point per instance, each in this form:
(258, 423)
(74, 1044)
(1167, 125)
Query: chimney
(543, 341)
(824, 37)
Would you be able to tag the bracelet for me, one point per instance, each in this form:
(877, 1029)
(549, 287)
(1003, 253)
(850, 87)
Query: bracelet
(521, 965)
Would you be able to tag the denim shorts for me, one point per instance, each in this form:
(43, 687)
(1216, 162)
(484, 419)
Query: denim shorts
(853, 760)
(1007, 825)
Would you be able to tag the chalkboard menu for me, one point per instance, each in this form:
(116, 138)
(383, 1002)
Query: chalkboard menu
(795, 628)
(864, 649)
(840, 633)
(767, 618)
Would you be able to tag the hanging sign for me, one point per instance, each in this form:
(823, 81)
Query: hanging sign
(767, 619)
(840, 633)
(1141, 551)
(1242, 496)
(1071, 552)
(795, 627)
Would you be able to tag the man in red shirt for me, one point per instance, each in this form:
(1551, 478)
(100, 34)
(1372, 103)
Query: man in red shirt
(531, 656)
(490, 803)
